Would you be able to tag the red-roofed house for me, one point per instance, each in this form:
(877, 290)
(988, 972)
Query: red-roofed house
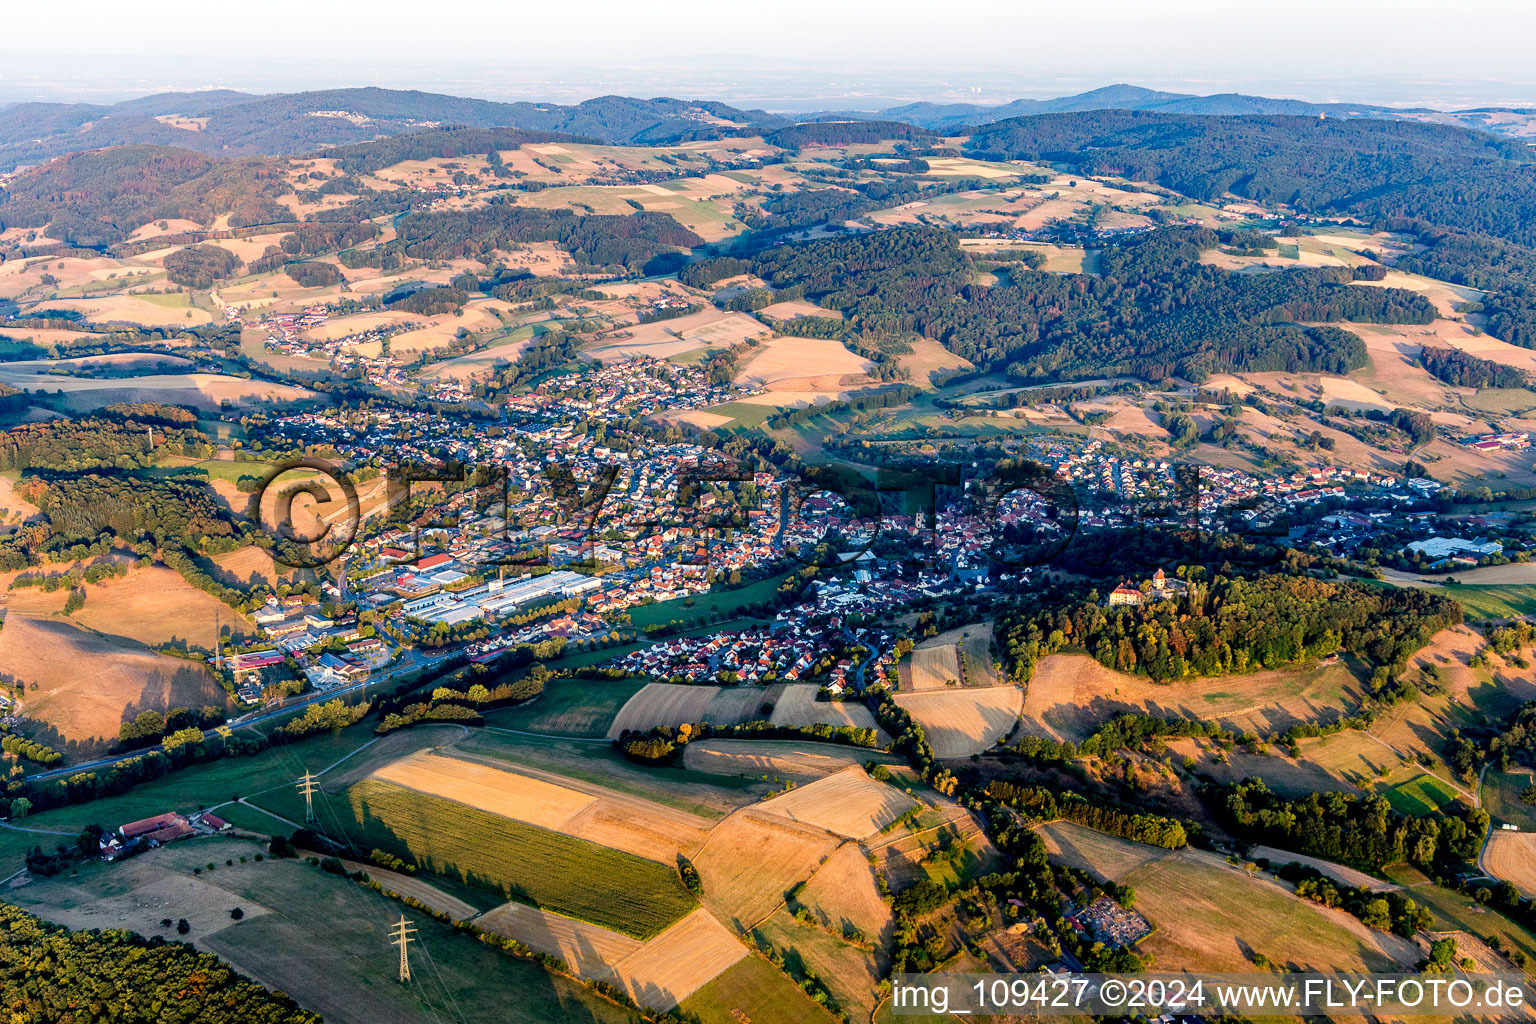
(162, 828)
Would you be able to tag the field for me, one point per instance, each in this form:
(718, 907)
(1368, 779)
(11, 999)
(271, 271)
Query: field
(520, 797)
(591, 951)
(1455, 910)
(153, 605)
(962, 722)
(597, 763)
(796, 704)
(1071, 694)
(673, 704)
(320, 938)
(849, 803)
(1422, 794)
(765, 758)
(81, 685)
(1500, 794)
(708, 328)
(202, 390)
(678, 962)
(571, 707)
(753, 991)
(543, 868)
(728, 601)
(752, 860)
(1511, 856)
(1212, 916)
(843, 893)
(932, 668)
(802, 364)
(905, 855)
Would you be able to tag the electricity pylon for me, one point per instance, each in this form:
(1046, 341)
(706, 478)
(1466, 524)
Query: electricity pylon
(308, 786)
(402, 933)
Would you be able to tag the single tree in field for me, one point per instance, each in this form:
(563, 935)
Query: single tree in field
(182, 927)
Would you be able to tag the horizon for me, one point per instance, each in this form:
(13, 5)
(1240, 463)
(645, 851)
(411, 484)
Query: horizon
(875, 91)
(856, 56)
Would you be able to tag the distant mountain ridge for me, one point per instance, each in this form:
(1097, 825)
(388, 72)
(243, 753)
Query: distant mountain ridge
(952, 116)
(227, 123)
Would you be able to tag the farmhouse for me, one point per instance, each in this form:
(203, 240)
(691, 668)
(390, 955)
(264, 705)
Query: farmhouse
(162, 828)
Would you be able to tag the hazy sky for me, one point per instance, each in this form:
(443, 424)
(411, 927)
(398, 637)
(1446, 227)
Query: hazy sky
(1327, 48)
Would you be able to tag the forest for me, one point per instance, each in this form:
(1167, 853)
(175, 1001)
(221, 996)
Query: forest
(1460, 370)
(1378, 169)
(1361, 831)
(49, 973)
(595, 240)
(97, 443)
(99, 197)
(1232, 624)
(1154, 310)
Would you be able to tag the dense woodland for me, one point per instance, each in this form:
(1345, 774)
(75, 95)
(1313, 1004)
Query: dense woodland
(595, 240)
(1361, 831)
(48, 973)
(96, 443)
(99, 197)
(1460, 370)
(1232, 624)
(1154, 311)
(1378, 169)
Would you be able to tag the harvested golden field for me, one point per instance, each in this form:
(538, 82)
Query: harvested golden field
(673, 704)
(794, 309)
(708, 328)
(250, 565)
(571, 806)
(508, 794)
(1211, 916)
(932, 668)
(154, 605)
(849, 803)
(797, 705)
(590, 950)
(641, 827)
(438, 331)
(201, 390)
(1070, 695)
(1511, 857)
(960, 722)
(82, 685)
(787, 359)
(929, 361)
(843, 892)
(678, 962)
(752, 859)
(139, 309)
(753, 758)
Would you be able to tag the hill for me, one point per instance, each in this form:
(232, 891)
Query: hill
(227, 123)
(1448, 175)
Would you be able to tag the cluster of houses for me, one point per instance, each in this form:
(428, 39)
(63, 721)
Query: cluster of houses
(626, 388)
(1508, 440)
